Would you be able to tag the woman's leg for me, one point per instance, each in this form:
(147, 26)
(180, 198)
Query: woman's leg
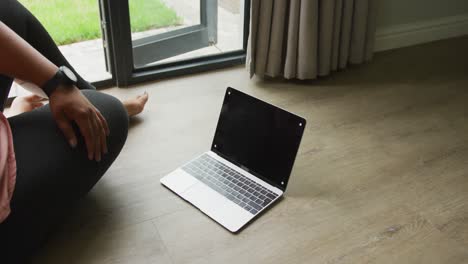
(20, 20)
(51, 176)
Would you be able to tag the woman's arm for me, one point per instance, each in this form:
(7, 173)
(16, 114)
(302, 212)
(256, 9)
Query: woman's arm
(19, 60)
(67, 104)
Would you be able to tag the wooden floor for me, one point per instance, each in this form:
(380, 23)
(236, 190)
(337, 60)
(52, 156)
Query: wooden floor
(381, 177)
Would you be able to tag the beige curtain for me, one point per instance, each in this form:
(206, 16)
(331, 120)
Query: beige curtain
(304, 39)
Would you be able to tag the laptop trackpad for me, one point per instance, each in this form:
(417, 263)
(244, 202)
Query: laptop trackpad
(178, 181)
(217, 206)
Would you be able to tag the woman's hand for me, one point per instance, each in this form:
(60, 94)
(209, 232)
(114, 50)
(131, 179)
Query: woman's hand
(68, 104)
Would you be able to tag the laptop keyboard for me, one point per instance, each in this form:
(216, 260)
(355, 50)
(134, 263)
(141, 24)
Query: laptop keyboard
(231, 184)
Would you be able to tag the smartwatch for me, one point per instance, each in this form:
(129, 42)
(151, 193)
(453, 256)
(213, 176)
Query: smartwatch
(64, 77)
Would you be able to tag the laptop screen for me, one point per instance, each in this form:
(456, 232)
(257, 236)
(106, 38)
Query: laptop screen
(258, 137)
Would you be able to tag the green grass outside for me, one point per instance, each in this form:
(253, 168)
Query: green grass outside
(69, 21)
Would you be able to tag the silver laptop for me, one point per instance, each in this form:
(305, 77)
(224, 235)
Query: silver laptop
(248, 166)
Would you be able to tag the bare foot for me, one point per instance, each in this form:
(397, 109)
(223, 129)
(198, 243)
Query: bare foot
(136, 105)
(25, 104)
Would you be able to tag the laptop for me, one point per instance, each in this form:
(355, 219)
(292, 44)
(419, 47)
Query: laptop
(248, 166)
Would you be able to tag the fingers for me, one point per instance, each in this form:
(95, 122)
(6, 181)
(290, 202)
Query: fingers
(103, 122)
(93, 129)
(67, 129)
(86, 129)
(101, 143)
(104, 131)
(99, 136)
(73, 106)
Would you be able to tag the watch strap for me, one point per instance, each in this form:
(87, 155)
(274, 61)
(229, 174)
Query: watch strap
(60, 78)
(51, 85)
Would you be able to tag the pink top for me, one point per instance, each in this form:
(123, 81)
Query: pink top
(7, 168)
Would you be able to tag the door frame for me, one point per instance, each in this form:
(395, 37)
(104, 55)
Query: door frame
(119, 50)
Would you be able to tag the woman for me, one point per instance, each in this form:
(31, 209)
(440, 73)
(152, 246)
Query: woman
(50, 156)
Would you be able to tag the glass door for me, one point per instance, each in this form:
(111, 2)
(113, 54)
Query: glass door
(198, 29)
(148, 39)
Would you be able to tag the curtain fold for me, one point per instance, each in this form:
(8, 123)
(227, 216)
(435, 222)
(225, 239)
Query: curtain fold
(304, 39)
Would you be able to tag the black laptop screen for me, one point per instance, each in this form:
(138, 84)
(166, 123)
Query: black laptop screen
(258, 137)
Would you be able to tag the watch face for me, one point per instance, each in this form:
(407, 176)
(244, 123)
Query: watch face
(69, 74)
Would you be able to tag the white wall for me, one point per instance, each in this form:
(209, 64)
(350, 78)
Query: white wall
(403, 23)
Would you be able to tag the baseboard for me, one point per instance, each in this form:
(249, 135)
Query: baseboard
(421, 32)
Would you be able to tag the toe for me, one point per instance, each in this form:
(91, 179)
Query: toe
(37, 105)
(33, 98)
(144, 97)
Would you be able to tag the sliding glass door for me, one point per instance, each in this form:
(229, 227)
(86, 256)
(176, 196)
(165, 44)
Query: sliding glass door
(198, 32)
(149, 39)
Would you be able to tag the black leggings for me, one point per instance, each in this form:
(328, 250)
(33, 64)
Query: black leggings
(51, 176)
